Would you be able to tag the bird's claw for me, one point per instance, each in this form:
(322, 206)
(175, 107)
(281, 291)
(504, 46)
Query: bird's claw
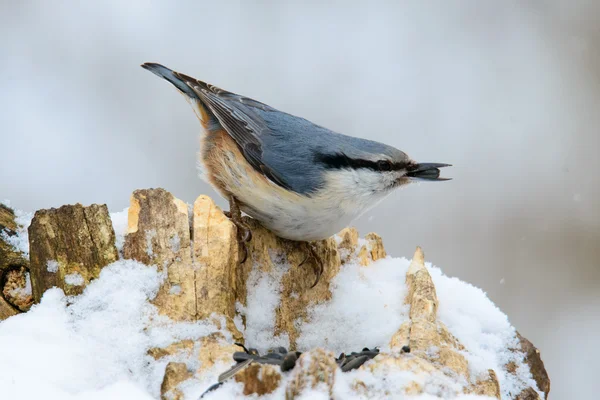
(312, 253)
(318, 273)
(244, 234)
(244, 251)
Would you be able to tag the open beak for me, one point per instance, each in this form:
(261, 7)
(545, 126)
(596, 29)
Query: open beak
(427, 171)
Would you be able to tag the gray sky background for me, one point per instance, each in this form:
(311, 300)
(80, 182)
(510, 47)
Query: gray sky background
(507, 91)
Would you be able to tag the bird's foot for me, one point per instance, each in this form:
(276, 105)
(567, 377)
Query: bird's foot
(244, 234)
(312, 253)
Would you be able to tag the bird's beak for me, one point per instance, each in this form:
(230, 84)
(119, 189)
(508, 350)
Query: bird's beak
(427, 171)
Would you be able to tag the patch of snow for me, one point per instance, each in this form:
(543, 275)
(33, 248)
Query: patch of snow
(52, 266)
(175, 243)
(338, 239)
(366, 309)
(483, 329)
(360, 243)
(74, 279)
(238, 321)
(262, 301)
(27, 290)
(175, 289)
(150, 234)
(115, 322)
(119, 222)
(95, 348)
(382, 382)
(20, 241)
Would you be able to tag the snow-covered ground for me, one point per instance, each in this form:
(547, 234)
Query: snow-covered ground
(94, 346)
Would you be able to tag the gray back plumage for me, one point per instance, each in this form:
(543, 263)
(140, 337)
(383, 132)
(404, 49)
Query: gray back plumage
(285, 148)
(295, 145)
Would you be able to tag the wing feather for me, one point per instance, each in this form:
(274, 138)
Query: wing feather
(238, 116)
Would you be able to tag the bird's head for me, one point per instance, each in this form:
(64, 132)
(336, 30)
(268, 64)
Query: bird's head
(372, 168)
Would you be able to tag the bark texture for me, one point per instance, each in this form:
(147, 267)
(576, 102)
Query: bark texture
(69, 246)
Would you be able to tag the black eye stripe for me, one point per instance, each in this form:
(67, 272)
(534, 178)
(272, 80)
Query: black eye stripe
(339, 161)
(384, 165)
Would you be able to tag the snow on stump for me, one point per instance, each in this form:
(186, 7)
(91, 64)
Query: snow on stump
(17, 288)
(314, 368)
(365, 250)
(214, 350)
(288, 266)
(14, 276)
(363, 298)
(535, 363)
(423, 330)
(69, 246)
(158, 233)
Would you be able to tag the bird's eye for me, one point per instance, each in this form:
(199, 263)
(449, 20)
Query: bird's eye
(384, 165)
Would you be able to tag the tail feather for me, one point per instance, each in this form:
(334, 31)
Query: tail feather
(170, 76)
(206, 117)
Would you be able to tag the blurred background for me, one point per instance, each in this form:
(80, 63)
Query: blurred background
(508, 91)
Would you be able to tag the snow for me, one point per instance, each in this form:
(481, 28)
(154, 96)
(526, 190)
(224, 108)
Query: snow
(347, 322)
(20, 241)
(74, 279)
(151, 234)
(175, 243)
(94, 346)
(52, 266)
(483, 329)
(262, 301)
(119, 222)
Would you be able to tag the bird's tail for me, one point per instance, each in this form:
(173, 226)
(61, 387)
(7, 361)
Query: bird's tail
(172, 77)
(182, 83)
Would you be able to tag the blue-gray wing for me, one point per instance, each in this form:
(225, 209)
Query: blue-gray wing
(253, 125)
(239, 116)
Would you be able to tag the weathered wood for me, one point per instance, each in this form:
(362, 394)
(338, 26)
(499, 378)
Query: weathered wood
(69, 246)
(216, 256)
(175, 373)
(159, 234)
(205, 278)
(7, 218)
(13, 266)
(16, 288)
(6, 309)
(259, 379)
(423, 330)
(9, 257)
(314, 368)
(536, 365)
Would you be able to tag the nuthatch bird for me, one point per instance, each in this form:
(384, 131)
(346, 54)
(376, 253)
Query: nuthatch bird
(300, 180)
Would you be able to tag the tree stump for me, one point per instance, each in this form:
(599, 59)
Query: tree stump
(69, 247)
(159, 234)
